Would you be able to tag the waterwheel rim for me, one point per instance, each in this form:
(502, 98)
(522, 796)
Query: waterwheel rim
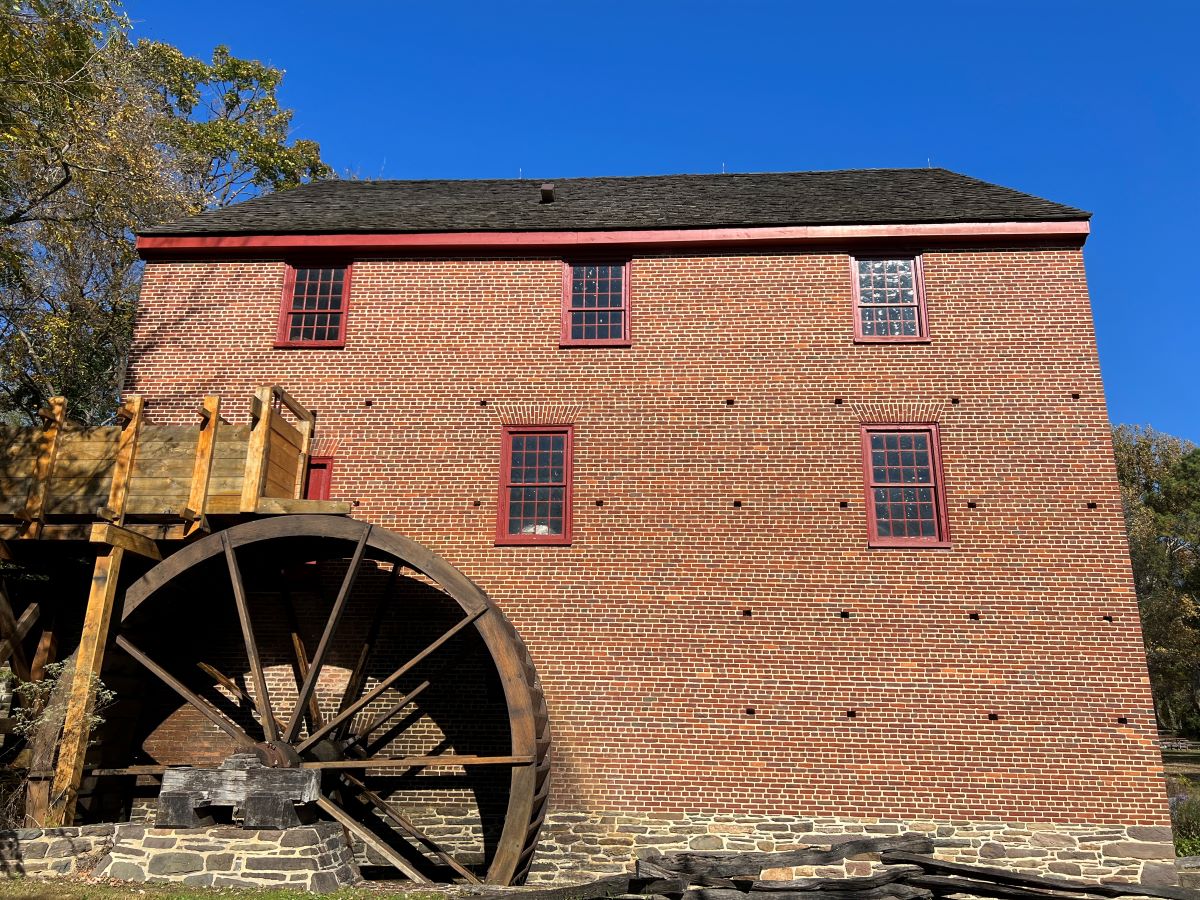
(288, 741)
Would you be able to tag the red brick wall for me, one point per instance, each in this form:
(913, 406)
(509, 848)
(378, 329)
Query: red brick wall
(638, 630)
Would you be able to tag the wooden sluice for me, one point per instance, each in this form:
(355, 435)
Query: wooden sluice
(128, 488)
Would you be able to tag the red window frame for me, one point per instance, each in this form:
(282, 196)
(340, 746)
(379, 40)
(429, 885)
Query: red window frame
(318, 488)
(287, 304)
(568, 269)
(503, 537)
(922, 335)
(938, 483)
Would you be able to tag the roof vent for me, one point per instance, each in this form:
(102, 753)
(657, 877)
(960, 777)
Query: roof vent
(548, 192)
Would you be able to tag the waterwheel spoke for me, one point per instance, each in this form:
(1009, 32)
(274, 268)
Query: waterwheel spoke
(210, 712)
(406, 826)
(230, 685)
(358, 676)
(361, 734)
(335, 616)
(369, 838)
(422, 762)
(352, 710)
(261, 699)
(302, 664)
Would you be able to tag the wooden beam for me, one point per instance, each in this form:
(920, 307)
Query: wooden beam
(729, 865)
(28, 619)
(362, 701)
(118, 536)
(261, 698)
(358, 676)
(10, 630)
(318, 660)
(361, 733)
(255, 474)
(408, 827)
(277, 506)
(370, 839)
(89, 658)
(206, 443)
(302, 660)
(130, 416)
(209, 711)
(409, 762)
(45, 653)
(54, 418)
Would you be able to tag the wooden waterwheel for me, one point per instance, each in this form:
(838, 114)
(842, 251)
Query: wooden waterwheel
(321, 642)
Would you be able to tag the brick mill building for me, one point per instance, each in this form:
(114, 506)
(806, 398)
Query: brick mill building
(798, 487)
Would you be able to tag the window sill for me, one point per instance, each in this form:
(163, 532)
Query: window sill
(567, 345)
(893, 340)
(532, 543)
(298, 346)
(909, 545)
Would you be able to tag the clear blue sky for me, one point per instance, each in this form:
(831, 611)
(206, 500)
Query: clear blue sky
(1095, 104)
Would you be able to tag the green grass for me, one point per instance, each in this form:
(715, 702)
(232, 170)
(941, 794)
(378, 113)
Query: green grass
(46, 889)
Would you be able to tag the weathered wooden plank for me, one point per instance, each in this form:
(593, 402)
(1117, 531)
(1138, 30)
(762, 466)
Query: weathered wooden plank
(262, 699)
(610, 886)
(733, 864)
(889, 875)
(897, 891)
(202, 463)
(273, 506)
(1038, 882)
(47, 444)
(257, 452)
(131, 416)
(287, 433)
(116, 536)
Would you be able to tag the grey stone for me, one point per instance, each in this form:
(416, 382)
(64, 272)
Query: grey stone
(1052, 839)
(158, 843)
(36, 850)
(1159, 834)
(125, 871)
(201, 880)
(130, 832)
(258, 864)
(1160, 874)
(175, 863)
(1139, 850)
(991, 850)
(323, 883)
(1065, 868)
(219, 862)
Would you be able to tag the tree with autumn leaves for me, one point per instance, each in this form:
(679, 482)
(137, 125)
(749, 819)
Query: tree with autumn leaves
(100, 136)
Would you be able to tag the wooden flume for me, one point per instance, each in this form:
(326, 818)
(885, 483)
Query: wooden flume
(172, 502)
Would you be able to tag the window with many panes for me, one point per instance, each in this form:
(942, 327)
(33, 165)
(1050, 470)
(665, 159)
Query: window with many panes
(314, 307)
(535, 486)
(595, 307)
(889, 299)
(905, 496)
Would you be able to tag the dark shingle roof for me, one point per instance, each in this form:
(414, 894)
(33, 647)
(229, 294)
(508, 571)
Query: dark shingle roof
(852, 197)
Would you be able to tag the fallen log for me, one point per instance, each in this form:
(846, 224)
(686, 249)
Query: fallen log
(947, 885)
(732, 864)
(1036, 882)
(897, 891)
(889, 875)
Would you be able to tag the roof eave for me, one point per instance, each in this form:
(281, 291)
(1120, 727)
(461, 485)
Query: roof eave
(159, 245)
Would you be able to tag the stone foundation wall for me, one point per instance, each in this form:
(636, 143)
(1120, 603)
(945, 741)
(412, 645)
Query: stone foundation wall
(314, 858)
(578, 846)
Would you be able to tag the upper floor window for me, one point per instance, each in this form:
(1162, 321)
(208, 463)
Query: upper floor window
(902, 473)
(535, 486)
(889, 299)
(595, 306)
(313, 313)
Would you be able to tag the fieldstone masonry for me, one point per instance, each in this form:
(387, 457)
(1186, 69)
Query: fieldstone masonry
(585, 845)
(314, 858)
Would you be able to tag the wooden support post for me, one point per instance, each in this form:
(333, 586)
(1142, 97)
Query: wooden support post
(255, 475)
(206, 443)
(88, 660)
(89, 657)
(54, 417)
(12, 636)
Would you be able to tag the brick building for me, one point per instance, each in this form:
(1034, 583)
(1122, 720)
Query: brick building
(799, 487)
